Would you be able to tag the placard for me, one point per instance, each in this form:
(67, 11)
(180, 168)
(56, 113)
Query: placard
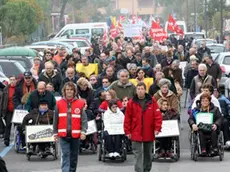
(58, 98)
(170, 128)
(39, 133)
(18, 116)
(132, 30)
(206, 118)
(115, 129)
(92, 127)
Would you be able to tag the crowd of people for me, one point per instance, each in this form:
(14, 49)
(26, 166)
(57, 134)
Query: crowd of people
(135, 83)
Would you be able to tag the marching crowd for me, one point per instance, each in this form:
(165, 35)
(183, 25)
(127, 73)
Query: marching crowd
(135, 83)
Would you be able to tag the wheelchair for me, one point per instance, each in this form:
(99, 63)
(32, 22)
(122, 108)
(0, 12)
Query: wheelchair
(196, 149)
(89, 143)
(18, 140)
(39, 145)
(175, 149)
(103, 153)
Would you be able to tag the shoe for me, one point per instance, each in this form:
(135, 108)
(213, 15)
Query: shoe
(169, 154)
(117, 155)
(161, 154)
(6, 143)
(203, 152)
(111, 155)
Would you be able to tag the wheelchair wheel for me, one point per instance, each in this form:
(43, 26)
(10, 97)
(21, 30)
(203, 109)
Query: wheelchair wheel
(103, 150)
(178, 147)
(221, 146)
(124, 152)
(99, 152)
(16, 146)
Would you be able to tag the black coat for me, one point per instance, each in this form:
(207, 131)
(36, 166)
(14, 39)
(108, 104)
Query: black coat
(217, 117)
(188, 78)
(164, 63)
(55, 79)
(42, 66)
(88, 95)
(18, 94)
(35, 98)
(2, 165)
(74, 80)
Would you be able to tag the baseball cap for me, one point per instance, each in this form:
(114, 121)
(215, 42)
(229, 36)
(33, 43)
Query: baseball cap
(27, 73)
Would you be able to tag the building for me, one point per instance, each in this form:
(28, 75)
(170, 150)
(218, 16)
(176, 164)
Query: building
(138, 7)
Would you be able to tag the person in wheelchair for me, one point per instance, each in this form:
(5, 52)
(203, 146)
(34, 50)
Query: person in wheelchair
(40, 116)
(167, 114)
(210, 128)
(113, 115)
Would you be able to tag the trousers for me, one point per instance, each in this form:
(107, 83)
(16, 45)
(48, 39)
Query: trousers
(143, 156)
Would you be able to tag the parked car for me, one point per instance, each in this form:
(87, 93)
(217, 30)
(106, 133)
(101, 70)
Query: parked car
(11, 67)
(223, 59)
(195, 35)
(216, 49)
(56, 43)
(3, 77)
(198, 42)
(81, 43)
(26, 62)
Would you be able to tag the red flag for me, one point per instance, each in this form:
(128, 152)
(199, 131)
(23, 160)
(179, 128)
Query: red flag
(172, 26)
(157, 33)
(113, 31)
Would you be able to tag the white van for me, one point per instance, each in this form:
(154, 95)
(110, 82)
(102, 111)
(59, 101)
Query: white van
(82, 30)
(181, 24)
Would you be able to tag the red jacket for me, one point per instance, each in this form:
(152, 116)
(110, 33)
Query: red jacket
(141, 123)
(105, 104)
(69, 123)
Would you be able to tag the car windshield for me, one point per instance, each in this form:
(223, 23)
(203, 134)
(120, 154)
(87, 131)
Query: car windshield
(199, 42)
(216, 49)
(195, 36)
(11, 68)
(226, 60)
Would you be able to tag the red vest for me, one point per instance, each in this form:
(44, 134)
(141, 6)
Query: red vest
(76, 111)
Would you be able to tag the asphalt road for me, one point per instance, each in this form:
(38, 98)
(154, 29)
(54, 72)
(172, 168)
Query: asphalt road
(89, 163)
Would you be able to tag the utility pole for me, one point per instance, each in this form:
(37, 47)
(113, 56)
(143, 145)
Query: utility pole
(187, 13)
(206, 18)
(195, 16)
(221, 21)
(1, 35)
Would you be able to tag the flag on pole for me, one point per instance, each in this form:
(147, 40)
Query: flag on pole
(172, 26)
(157, 33)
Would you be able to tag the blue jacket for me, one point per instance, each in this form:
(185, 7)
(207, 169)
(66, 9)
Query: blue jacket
(224, 105)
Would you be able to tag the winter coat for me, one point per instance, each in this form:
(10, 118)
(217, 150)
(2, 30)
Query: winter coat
(122, 91)
(224, 105)
(74, 80)
(217, 118)
(170, 114)
(55, 79)
(170, 97)
(105, 105)
(141, 123)
(18, 94)
(35, 98)
(88, 95)
(110, 118)
(188, 78)
(214, 70)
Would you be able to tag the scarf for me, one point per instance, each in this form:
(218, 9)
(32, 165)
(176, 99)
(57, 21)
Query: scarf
(42, 111)
(25, 88)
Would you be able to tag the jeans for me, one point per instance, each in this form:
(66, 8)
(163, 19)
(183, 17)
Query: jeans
(143, 156)
(8, 119)
(113, 143)
(69, 148)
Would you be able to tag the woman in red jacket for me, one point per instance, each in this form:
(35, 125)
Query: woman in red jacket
(143, 121)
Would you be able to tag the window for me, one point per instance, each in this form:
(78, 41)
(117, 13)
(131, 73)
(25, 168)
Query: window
(81, 44)
(145, 3)
(97, 31)
(81, 31)
(9, 69)
(22, 63)
(226, 60)
(67, 32)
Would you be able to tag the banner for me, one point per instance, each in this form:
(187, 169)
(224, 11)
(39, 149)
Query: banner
(132, 30)
(206, 118)
(92, 127)
(39, 133)
(18, 116)
(170, 128)
(115, 129)
(157, 33)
